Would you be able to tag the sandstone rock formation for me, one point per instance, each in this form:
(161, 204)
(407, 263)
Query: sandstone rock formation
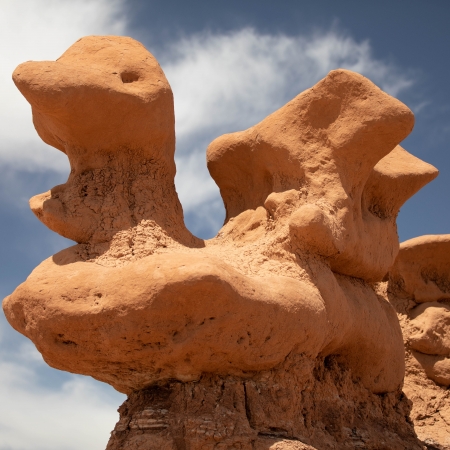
(419, 288)
(270, 335)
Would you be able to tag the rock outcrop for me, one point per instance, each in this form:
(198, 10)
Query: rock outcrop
(273, 333)
(419, 289)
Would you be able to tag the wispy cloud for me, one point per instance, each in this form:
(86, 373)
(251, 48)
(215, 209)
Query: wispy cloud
(231, 81)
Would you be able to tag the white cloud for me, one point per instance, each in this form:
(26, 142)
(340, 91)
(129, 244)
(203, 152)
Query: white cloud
(231, 81)
(77, 414)
(42, 30)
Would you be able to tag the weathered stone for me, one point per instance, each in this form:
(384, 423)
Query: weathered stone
(290, 407)
(418, 278)
(271, 334)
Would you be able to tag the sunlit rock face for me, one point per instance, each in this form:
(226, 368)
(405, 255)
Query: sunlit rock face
(273, 333)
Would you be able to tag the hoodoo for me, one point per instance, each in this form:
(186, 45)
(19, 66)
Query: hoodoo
(278, 333)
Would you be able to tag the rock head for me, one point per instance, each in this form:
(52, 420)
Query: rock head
(108, 106)
(273, 333)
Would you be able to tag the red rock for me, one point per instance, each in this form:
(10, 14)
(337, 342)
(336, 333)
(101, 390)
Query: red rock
(270, 335)
(420, 277)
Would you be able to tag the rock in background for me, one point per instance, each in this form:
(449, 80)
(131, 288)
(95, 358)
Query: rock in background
(419, 289)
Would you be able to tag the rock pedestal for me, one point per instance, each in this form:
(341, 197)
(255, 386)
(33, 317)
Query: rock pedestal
(302, 404)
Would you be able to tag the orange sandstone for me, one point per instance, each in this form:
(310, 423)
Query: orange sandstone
(281, 300)
(419, 288)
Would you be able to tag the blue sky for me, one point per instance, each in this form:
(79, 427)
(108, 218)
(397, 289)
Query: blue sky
(230, 64)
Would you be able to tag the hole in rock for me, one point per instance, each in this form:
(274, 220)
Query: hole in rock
(129, 77)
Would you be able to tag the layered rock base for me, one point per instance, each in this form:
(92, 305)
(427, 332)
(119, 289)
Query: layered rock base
(300, 405)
